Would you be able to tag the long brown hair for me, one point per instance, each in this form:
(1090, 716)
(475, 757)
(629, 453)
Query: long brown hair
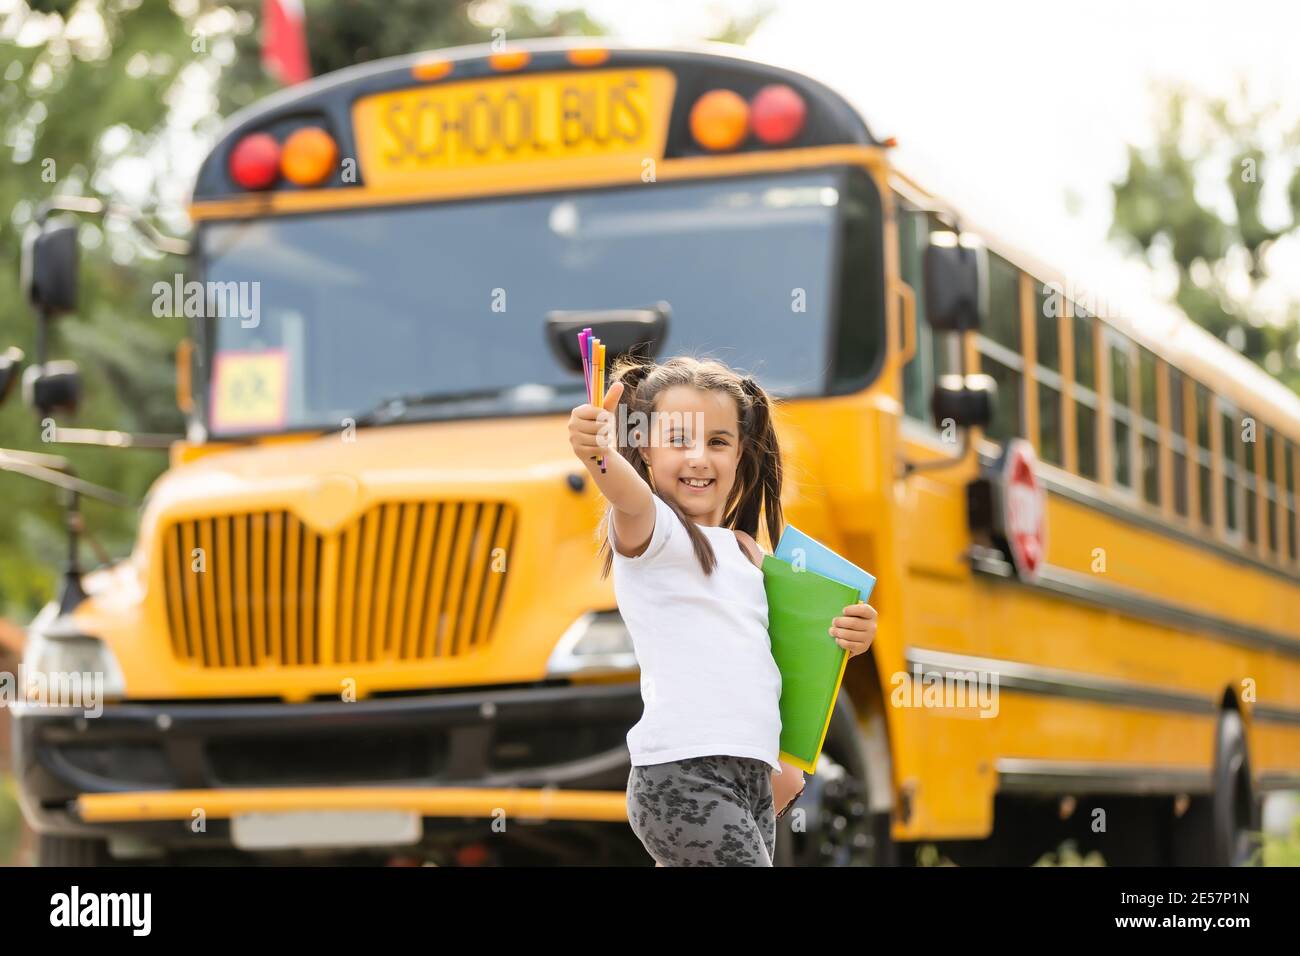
(757, 489)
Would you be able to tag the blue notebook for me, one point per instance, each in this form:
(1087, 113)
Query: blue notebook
(816, 557)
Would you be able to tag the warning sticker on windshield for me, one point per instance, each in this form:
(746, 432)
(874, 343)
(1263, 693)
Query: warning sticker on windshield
(250, 390)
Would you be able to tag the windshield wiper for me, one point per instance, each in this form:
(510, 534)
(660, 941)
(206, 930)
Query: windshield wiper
(395, 408)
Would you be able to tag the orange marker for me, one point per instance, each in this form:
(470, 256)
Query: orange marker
(600, 386)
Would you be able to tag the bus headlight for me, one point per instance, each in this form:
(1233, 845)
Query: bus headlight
(596, 643)
(59, 663)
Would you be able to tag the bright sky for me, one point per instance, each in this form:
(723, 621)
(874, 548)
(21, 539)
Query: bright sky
(1007, 108)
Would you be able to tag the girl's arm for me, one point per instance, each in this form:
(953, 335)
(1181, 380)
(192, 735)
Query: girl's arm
(786, 786)
(623, 488)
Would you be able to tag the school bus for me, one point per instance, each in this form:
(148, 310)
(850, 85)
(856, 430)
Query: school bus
(364, 614)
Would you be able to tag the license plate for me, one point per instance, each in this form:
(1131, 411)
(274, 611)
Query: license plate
(406, 137)
(310, 828)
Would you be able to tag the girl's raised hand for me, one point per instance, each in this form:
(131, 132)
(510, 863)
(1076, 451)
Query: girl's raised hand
(591, 427)
(856, 629)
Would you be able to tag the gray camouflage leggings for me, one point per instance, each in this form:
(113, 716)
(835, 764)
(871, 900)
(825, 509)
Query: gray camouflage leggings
(704, 811)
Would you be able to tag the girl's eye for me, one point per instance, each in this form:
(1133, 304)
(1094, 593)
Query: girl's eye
(677, 439)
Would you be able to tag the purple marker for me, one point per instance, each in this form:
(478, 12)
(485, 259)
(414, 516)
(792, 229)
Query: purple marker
(583, 347)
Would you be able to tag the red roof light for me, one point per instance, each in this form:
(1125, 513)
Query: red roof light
(777, 114)
(255, 161)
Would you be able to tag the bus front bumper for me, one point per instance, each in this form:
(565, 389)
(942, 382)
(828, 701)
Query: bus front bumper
(552, 752)
(460, 802)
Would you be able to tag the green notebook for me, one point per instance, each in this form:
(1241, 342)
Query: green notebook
(800, 608)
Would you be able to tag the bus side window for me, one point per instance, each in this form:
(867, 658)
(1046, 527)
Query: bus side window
(932, 357)
(1288, 500)
(1119, 350)
(1269, 490)
(1204, 456)
(1047, 372)
(1231, 456)
(1000, 349)
(1083, 337)
(859, 343)
(1248, 472)
(1178, 437)
(1148, 426)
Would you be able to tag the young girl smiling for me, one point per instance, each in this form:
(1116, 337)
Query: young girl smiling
(685, 497)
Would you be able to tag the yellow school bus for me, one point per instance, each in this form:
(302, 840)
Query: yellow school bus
(364, 615)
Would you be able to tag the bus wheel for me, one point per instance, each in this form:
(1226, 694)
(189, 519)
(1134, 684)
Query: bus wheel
(53, 850)
(831, 823)
(1235, 810)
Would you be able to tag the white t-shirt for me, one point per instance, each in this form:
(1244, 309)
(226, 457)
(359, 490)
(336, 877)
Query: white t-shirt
(708, 680)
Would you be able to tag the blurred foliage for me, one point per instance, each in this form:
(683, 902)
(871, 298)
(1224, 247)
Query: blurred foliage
(1272, 850)
(11, 821)
(1281, 849)
(345, 32)
(739, 29)
(81, 93)
(1197, 197)
(927, 854)
(1067, 854)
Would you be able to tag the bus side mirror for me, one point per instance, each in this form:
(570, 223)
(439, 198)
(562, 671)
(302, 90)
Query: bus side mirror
(49, 266)
(955, 284)
(11, 363)
(52, 387)
(622, 331)
(964, 401)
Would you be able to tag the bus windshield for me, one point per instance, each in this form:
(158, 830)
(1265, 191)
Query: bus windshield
(357, 306)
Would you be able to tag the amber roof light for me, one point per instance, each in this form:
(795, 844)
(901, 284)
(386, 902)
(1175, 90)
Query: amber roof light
(720, 120)
(308, 156)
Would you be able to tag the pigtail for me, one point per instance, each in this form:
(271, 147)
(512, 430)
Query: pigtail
(631, 371)
(760, 492)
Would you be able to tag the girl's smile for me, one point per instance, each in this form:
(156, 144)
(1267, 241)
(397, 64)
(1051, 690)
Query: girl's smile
(697, 484)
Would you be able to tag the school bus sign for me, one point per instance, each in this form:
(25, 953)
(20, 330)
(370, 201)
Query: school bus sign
(535, 122)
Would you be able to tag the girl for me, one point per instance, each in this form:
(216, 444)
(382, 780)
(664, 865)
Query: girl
(685, 494)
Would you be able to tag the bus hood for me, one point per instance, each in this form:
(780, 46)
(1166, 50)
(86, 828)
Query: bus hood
(475, 455)
(449, 552)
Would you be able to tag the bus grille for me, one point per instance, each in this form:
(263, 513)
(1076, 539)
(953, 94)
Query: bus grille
(406, 581)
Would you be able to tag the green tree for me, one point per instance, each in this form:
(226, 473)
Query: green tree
(739, 28)
(81, 97)
(1213, 195)
(346, 32)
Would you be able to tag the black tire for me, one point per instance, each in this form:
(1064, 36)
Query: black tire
(52, 850)
(836, 826)
(1235, 809)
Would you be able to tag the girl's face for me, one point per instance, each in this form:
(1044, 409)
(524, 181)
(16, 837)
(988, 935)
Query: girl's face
(694, 450)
